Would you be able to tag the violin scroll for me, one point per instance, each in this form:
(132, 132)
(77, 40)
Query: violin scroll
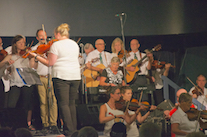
(3, 54)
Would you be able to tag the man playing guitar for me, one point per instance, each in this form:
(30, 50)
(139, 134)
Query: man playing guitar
(105, 57)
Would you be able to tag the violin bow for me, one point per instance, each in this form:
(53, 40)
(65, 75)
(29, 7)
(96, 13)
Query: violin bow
(78, 40)
(43, 28)
(140, 98)
(195, 85)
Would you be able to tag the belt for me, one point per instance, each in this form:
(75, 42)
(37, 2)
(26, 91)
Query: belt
(45, 76)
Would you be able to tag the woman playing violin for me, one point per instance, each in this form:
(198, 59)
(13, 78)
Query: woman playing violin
(132, 130)
(17, 86)
(109, 114)
(117, 48)
(180, 124)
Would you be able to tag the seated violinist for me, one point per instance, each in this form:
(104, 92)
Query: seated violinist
(109, 114)
(132, 130)
(180, 124)
(168, 113)
(112, 76)
(201, 93)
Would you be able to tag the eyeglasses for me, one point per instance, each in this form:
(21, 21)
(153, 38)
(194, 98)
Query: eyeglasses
(1, 44)
(101, 44)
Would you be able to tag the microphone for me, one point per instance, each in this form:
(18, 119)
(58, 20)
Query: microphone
(121, 14)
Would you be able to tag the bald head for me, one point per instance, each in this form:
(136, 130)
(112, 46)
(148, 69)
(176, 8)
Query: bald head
(100, 45)
(180, 91)
(1, 44)
(134, 44)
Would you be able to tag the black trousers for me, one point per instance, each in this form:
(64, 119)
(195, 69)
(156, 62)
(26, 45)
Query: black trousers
(158, 96)
(2, 94)
(26, 95)
(66, 93)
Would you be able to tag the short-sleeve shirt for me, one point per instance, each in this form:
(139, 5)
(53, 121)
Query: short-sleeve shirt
(185, 124)
(111, 77)
(67, 66)
(106, 58)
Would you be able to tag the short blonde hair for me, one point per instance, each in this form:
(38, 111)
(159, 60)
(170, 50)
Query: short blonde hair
(63, 29)
(113, 44)
(115, 60)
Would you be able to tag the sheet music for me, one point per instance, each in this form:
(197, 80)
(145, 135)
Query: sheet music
(29, 76)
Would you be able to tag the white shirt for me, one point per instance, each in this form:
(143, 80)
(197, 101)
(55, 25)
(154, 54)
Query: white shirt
(122, 64)
(9, 50)
(143, 67)
(15, 79)
(41, 69)
(7, 82)
(109, 124)
(67, 66)
(185, 124)
(132, 130)
(201, 98)
(106, 58)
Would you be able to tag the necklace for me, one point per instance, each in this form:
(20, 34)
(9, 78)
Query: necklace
(111, 106)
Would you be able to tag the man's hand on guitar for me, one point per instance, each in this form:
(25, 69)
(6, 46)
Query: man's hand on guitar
(88, 65)
(150, 57)
(131, 68)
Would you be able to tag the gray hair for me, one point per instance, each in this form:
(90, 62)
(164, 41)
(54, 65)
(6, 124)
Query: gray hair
(88, 46)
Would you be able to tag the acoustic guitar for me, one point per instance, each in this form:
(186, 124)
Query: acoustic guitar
(132, 75)
(92, 76)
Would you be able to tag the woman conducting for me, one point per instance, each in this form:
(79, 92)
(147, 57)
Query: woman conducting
(63, 56)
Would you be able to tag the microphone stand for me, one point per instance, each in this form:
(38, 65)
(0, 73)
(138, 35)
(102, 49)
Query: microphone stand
(123, 39)
(83, 78)
(50, 103)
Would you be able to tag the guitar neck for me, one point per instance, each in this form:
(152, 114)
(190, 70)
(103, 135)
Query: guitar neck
(140, 61)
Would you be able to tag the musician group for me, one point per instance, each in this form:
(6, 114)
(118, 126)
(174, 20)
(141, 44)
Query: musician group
(120, 73)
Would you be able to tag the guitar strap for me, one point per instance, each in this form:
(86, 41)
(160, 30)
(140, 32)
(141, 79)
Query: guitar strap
(140, 54)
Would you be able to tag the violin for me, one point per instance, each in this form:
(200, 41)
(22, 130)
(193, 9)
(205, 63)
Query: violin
(193, 114)
(198, 91)
(41, 49)
(24, 53)
(159, 64)
(3, 54)
(121, 54)
(133, 105)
